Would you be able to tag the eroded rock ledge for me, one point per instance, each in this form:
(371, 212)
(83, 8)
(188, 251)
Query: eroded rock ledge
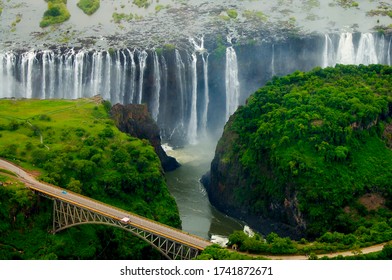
(135, 120)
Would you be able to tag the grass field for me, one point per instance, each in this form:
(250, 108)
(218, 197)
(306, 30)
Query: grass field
(25, 124)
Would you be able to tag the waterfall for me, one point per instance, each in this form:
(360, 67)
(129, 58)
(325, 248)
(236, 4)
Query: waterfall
(78, 74)
(12, 82)
(157, 88)
(117, 87)
(366, 53)
(177, 85)
(27, 72)
(107, 77)
(381, 50)
(192, 127)
(45, 63)
(328, 59)
(9, 83)
(206, 94)
(67, 75)
(3, 76)
(142, 66)
(180, 79)
(164, 99)
(273, 73)
(389, 61)
(346, 54)
(232, 83)
(132, 78)
(96, 73)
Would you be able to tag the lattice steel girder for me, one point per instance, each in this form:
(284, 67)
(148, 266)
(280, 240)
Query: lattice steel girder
(66, 214)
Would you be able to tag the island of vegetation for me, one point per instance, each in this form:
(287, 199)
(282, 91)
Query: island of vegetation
(310, 157)
(76, 145)
(89, 6)
(57, 12)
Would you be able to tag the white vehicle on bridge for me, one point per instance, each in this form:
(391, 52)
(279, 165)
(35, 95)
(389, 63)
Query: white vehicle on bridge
(125, 220)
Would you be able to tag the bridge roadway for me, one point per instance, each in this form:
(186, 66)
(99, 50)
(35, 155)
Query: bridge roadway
(106, 210)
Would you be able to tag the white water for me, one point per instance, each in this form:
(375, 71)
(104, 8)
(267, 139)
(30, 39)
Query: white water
(192, 126)
(106, 78)
(232, 82)
(132, 78)
(389, 52)
(27, 70)
(273, 73)
(96, 73)
(180, 78)
(6, 83)
(366, 53)
(328, 53)
(183, 108)
(44, 75)
(380, 50)
(78, 75)
(346, 53)
(206, 94)
(116, 87)
(123, 76)
(157, 88)
(221, 240)
(142, 66)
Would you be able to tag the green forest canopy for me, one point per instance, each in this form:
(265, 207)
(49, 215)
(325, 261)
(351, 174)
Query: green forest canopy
(75, 145)
(324, 136)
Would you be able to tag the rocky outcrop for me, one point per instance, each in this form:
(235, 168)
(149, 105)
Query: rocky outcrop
(135, 120)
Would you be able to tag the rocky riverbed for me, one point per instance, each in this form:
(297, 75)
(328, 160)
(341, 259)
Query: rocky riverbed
(174, 21)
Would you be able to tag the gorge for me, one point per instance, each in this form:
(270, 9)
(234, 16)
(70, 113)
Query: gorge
(191, 63)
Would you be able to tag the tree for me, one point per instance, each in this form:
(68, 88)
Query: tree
(74, 185)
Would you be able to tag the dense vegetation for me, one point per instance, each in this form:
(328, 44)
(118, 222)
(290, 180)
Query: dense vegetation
(74, 144)
(317, 145)
(273, 244)
(57, 12)
(215, 252)
(89, 6)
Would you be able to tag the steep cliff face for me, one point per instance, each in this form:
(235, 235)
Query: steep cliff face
(304, 149)
(135, 120)
(231, 188)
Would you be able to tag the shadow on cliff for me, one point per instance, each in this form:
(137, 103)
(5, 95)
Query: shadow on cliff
(135, 120)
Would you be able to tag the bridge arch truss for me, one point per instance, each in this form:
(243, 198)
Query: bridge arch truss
(66, 214)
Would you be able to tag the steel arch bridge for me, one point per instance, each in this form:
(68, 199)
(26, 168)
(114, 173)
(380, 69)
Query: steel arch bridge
(71, 209)
(66, 215)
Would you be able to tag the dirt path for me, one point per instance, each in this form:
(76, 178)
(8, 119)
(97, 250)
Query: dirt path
(366, 250)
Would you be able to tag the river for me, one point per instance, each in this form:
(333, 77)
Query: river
(198, 216)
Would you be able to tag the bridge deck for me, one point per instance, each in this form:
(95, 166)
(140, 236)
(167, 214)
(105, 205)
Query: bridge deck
(106, 210)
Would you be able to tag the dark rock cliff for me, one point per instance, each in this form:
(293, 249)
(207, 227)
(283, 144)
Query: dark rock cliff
(135, 120)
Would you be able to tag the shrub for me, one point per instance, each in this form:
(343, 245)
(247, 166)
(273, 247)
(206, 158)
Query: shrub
(232, 13)
(13, 125)
(89, 7)
(44, 118)
(142, 3)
